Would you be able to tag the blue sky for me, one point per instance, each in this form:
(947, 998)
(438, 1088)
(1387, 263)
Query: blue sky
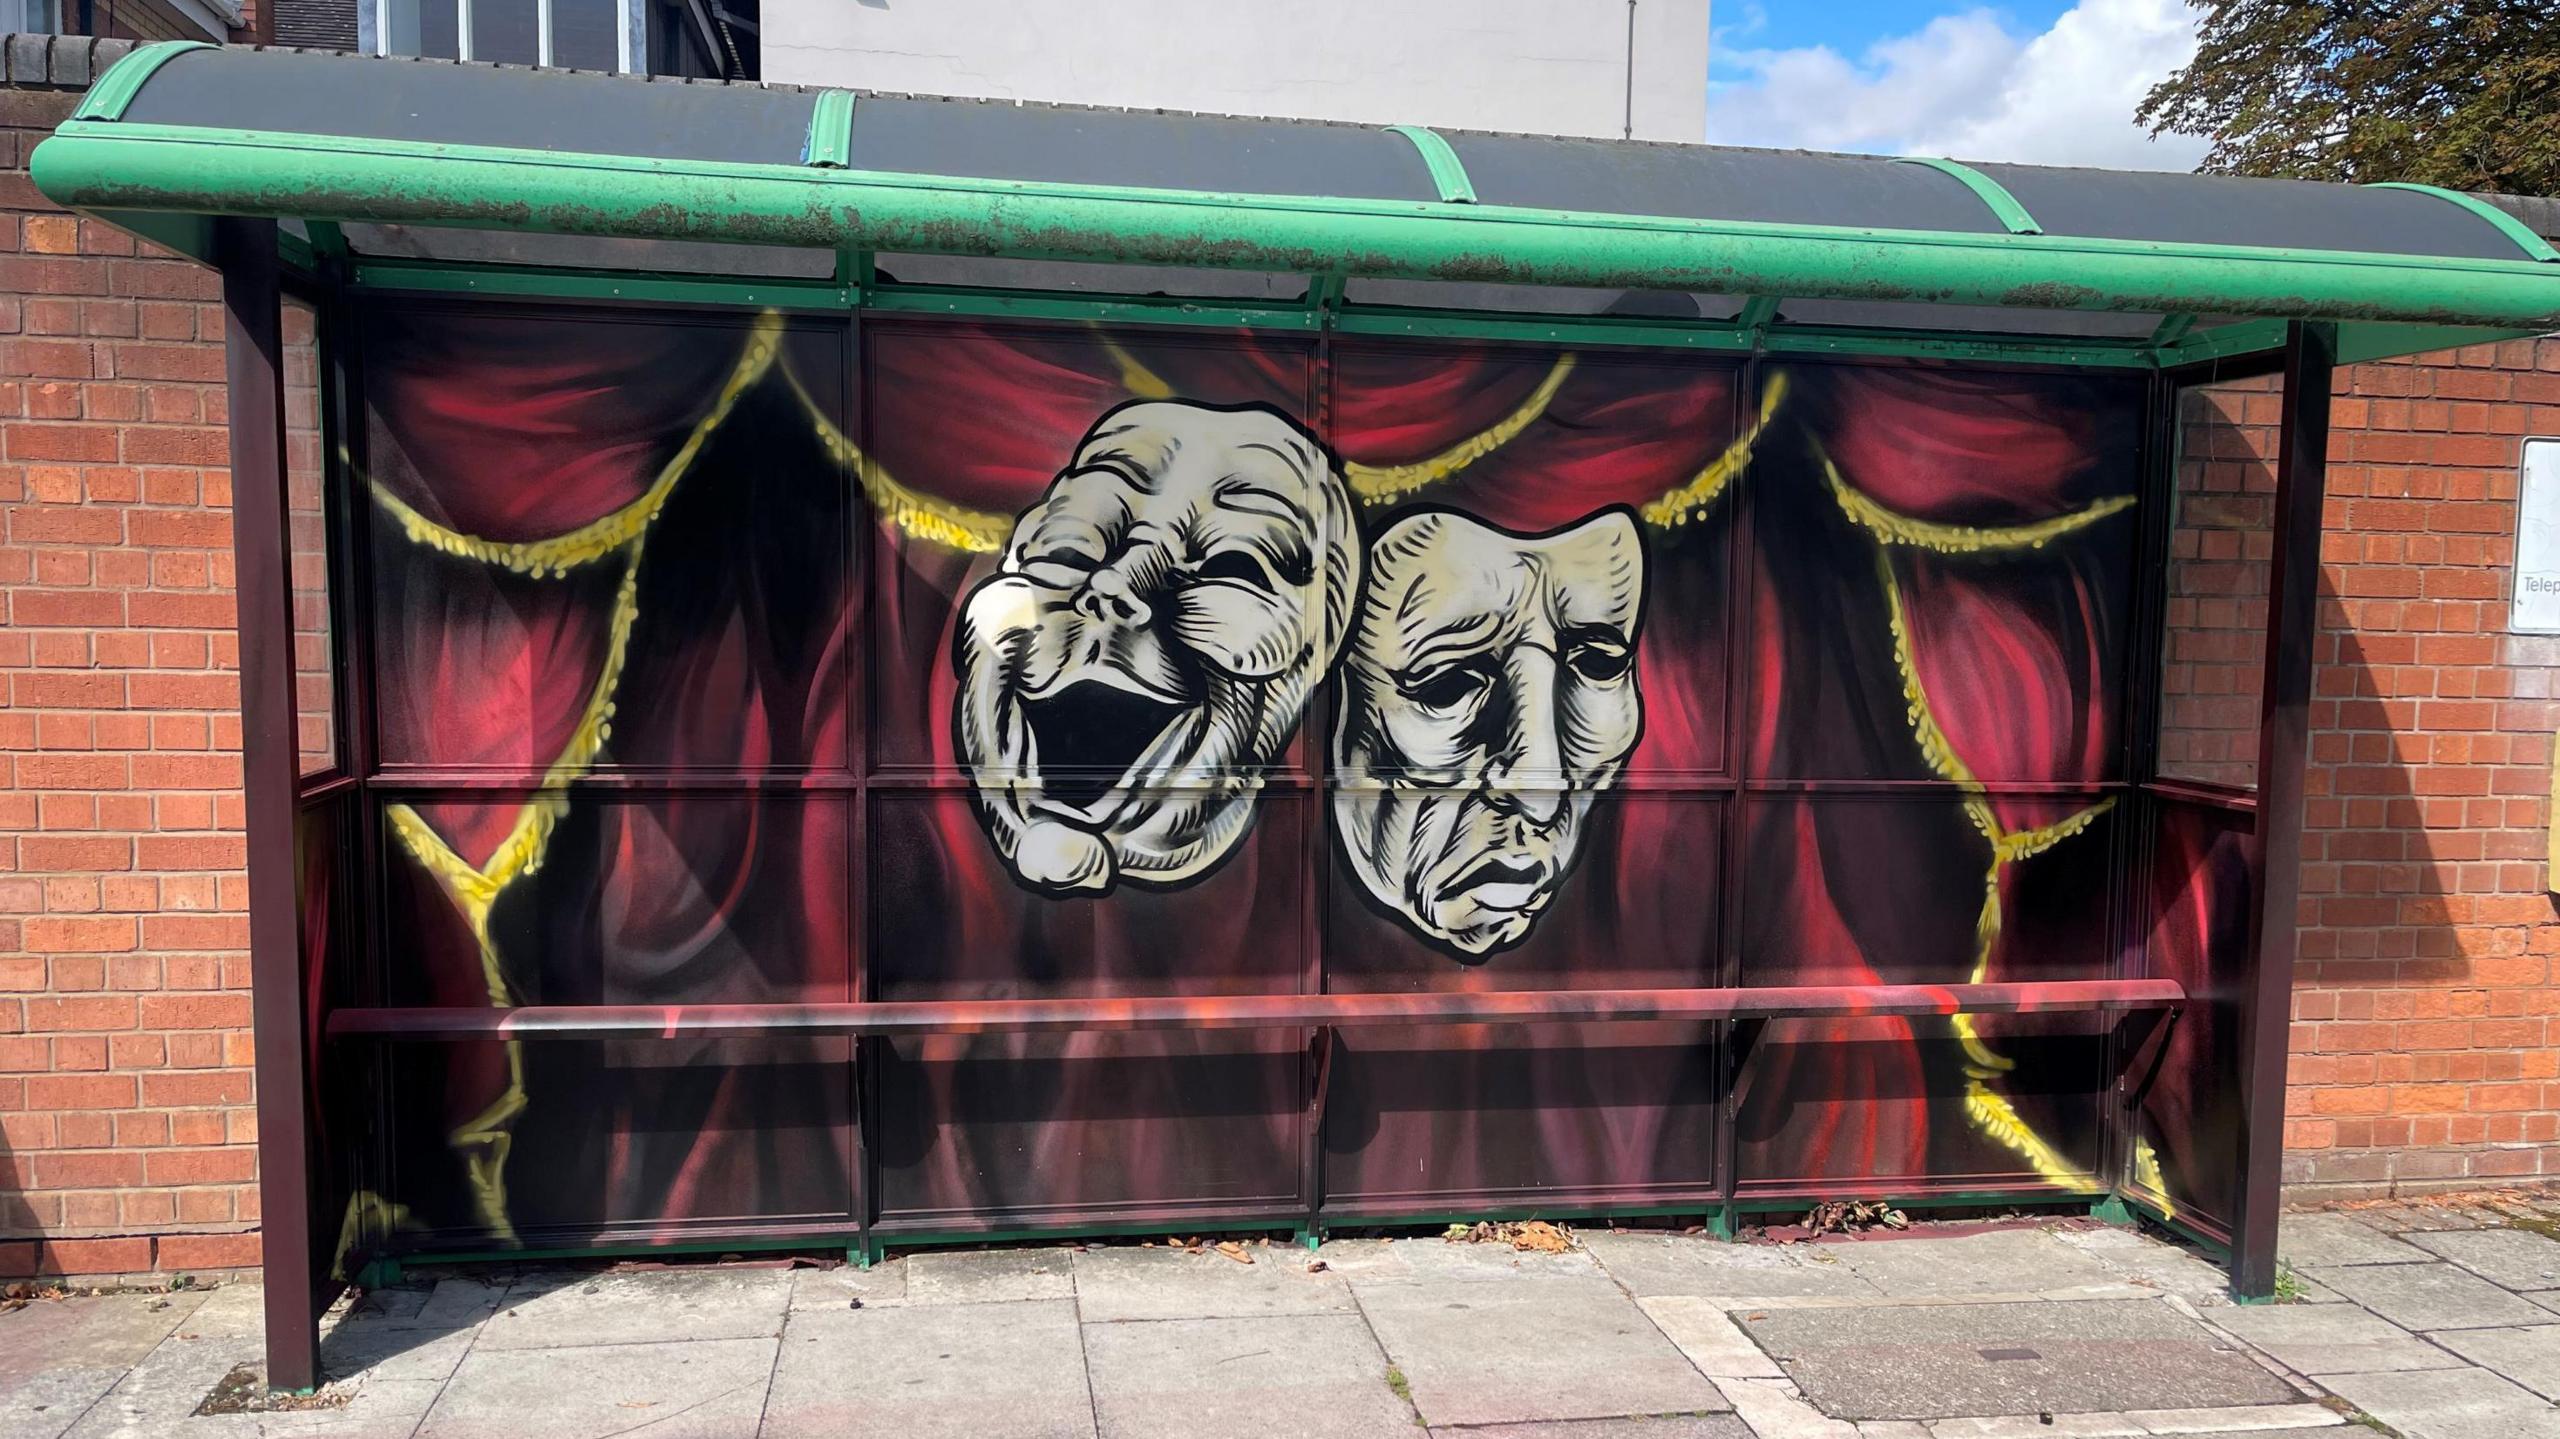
(1850, 26)
(2044, 81)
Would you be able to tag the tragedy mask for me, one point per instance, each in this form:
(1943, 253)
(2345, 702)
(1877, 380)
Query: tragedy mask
(1147, 642)
(1488, 694)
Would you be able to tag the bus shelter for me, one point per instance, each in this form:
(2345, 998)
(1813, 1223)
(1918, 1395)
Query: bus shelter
(869, 670)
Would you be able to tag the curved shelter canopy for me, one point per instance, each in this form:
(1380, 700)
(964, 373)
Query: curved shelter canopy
(1733, 239)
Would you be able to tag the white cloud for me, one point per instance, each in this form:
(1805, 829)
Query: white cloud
(1964, 85)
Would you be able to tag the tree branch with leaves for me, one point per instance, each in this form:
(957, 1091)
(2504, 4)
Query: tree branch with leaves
(2460, 93)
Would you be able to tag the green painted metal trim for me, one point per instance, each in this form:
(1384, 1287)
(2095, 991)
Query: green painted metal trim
(188, 235)
(1055, 305)
(1446, 171)
(113, 91)
(421, 1258)
(1970, 1199)
(830, 142)
(1990, 349)
(1995, 197)
(196, 171)
(1541, 329)
(2534, 246)
(2222, 342)
(2359, 343)
(1758, 311)
(2171, 329)
(600, 285)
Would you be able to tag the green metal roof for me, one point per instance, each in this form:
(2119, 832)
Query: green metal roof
(177, 133)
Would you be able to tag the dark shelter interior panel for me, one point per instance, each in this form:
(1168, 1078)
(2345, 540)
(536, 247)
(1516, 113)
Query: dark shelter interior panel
(2184, 1158)
(1072, 661)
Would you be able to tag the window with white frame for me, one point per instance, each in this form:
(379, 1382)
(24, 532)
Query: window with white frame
(30, 17)
(570, 34)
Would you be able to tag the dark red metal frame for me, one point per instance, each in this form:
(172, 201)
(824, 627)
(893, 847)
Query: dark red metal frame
(254, 288)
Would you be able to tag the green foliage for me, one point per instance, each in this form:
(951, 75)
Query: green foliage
(2459, 93)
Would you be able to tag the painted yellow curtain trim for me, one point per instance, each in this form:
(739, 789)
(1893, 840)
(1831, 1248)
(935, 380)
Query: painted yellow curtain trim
(590, 542)
(1378, 484)
(1694, 499)
(1989, 1111)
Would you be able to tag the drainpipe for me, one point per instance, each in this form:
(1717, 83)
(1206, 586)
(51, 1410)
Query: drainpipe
(1630, 132)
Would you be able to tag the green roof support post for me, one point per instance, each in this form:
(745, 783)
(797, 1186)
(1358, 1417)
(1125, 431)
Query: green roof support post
(2170, 330)
(2003, 206)
(1442, 161)
(2534, 246)
(1324, 296)
(1755, 315)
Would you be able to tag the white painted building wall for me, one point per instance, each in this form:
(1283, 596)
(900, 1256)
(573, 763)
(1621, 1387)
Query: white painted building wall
(1545, 66)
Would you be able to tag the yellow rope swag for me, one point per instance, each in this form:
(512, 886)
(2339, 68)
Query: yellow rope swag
(486, 1139)
(1987, 1109)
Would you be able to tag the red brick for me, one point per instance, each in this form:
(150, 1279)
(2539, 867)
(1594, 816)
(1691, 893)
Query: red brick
(183, 1252)
(94, 1256)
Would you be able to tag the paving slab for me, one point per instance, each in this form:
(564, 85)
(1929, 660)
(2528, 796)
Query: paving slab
(1774, 1410)
(2530, 1356)
(2451, 1404)
(695, 1389)
(2430, 1296)
(2038, 1426)
(1542, 1347)
(2428, 1218)
(383, 1349)
(2255, 1419)
(2320, 1339)
(2322, 1241)
(1703, 1332)
(839, 1286)
(579, 1309)
(1651, 1264)
(2508, 1258)
(59, 1356)
(158, 1394)
(2006, 1261)
(993, 1370)
(2147, 1262)
(1284, 1376)
(460, 1301)
(1129, 1283)
(2547, 1298)
(1955, 1360)
(1432, 1260)
(1661, 1426)
(989, 1276)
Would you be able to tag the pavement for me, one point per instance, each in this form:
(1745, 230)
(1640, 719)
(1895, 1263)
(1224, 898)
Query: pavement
(2431, 1320)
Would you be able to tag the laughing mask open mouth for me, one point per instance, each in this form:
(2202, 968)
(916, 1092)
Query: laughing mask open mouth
(1146, 644)
(1488, 695)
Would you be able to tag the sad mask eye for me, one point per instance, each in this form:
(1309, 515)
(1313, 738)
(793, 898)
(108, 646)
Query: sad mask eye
(1238, 566)
(1446, 692)
(1600, 663)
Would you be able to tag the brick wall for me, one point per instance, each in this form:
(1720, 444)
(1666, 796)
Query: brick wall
(126, 1128)
(2427, 1009)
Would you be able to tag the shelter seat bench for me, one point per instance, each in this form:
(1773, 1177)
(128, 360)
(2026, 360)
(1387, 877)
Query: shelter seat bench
(907, 1018)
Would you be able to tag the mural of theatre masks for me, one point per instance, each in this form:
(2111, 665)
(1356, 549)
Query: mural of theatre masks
(1147, 642)
(1488, 694)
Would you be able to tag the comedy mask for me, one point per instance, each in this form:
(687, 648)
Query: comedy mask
(1148, 640)
(1489, 692)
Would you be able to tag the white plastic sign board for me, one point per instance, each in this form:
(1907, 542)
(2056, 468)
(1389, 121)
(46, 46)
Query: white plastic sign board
(2536, 607)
